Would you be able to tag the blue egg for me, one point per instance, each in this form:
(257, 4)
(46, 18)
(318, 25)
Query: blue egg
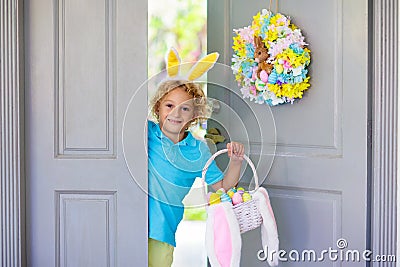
(273, 77)
(225, 198)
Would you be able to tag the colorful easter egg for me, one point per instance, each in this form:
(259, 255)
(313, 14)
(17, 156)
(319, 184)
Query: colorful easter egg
(237, 198)
(260, 85)
(214, 198)
(279, 68)
(264, 76)
(273, 77)
(225, 198)
(240, 189)
(246, 197)
(220, 191)
(230, 193)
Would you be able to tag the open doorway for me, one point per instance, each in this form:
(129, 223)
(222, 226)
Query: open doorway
(181, 24)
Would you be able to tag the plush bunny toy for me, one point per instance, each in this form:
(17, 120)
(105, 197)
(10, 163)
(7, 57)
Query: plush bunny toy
(261, 56)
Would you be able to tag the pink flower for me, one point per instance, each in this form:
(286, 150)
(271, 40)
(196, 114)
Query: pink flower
(254, 76)
(246, 33)
(253, 90)
(279, 46)
(245, 91)
(286, 64)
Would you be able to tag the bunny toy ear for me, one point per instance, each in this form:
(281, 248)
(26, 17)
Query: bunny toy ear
(173, 62)
(223, 240)
(202, 66)
(258, 41)
(269, 230)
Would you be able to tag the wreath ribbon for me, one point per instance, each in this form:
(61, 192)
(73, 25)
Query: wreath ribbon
(277, 4)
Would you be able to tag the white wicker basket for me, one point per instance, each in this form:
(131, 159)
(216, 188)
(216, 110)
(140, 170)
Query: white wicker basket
(247, 213)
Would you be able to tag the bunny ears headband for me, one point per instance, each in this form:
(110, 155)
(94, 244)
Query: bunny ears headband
(202, 66)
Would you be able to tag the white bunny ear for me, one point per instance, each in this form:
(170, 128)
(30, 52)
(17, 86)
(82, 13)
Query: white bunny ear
(173, 62)
(269, 231)
(202, 66)
(223, 240)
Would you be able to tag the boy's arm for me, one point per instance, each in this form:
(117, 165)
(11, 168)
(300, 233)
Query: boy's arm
(231, 178)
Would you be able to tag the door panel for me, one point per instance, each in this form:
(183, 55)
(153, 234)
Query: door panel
(85, 82)
(84, 60)
(318, 181)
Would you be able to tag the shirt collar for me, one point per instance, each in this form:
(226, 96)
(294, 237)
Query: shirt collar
(189, 140)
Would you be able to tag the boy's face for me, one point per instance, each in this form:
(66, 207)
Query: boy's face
(175, 111)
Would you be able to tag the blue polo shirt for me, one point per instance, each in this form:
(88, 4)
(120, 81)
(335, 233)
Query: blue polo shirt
(172, 171)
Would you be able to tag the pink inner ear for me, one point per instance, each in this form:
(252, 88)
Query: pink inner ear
(222, 237)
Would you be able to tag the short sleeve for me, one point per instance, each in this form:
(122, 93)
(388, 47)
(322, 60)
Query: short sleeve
(213, 174)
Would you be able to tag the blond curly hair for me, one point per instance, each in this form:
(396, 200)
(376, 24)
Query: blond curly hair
(202, 109)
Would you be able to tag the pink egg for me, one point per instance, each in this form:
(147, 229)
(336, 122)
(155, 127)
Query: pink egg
(237, 198)
(264, 76)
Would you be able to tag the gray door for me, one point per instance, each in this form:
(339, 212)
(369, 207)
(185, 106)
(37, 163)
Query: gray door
(85, 59)
(318, 181)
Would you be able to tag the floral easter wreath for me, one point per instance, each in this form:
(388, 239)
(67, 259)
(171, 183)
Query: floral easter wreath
(270, 60)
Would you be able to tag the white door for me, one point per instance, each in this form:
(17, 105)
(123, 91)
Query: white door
(84, 61)
(318, 182)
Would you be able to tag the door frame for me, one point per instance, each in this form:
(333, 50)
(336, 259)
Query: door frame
(382, 130)
(383, 120)
(12, 134)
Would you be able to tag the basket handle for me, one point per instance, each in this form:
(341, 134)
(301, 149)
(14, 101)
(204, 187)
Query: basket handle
(203, 173)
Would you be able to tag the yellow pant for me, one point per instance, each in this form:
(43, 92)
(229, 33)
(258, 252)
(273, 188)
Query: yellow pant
(160, 253)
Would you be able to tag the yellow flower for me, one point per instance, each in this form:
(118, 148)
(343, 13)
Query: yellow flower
(306, 55)
(239, 46)
(256, 24)
(295, 59)
(267, 45)
(290, 90)
(237, 42)
(239, 76)
(275, 88)
(275, 18)
(272, 35)
(257, 17)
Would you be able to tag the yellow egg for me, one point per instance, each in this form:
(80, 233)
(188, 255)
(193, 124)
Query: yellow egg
(246, 197)
(215, 199)
(220, 191)
(231, 193)
(279, 68)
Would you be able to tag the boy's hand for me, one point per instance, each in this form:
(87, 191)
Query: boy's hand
(235, 152)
